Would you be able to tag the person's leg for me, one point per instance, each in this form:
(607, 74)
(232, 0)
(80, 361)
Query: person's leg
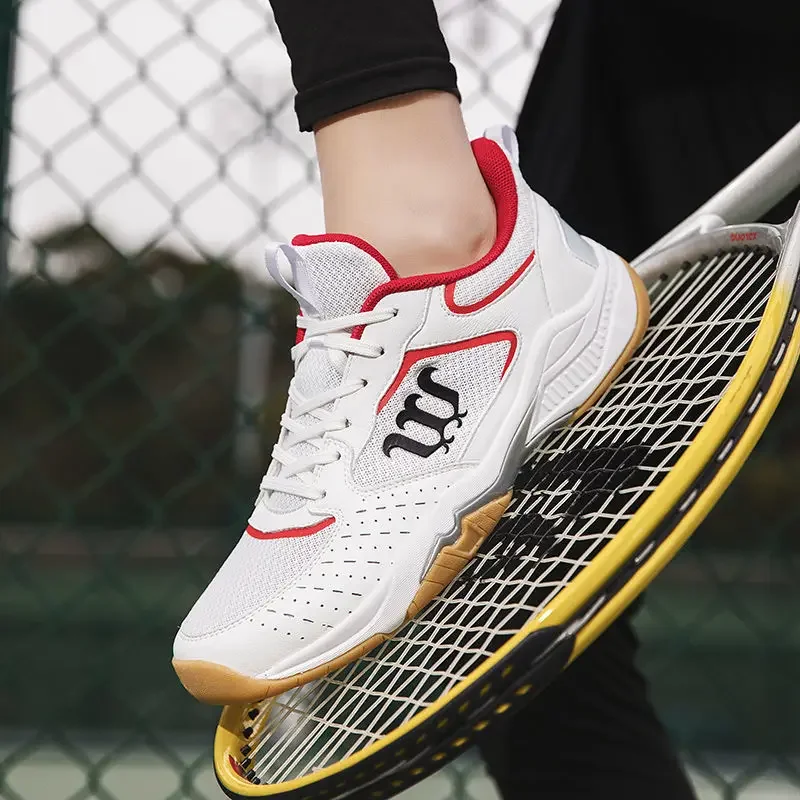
(626, 152)
(593, 733)
(395, 160)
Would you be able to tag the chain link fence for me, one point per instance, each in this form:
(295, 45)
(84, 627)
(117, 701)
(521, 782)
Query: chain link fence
(151, 150)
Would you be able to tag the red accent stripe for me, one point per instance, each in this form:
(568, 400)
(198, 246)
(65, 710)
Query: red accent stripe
(290, 533)
(450, 291)
(413, 356)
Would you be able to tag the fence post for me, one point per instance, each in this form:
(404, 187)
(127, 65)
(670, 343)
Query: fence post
(9, 15)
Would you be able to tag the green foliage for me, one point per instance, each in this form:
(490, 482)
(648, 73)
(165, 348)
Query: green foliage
(117, 397)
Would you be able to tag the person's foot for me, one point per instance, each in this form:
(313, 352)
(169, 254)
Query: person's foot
(414, 403)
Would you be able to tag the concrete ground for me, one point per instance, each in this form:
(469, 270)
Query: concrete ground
(95, 771)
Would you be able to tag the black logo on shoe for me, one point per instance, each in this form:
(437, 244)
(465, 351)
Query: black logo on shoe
(412, 413)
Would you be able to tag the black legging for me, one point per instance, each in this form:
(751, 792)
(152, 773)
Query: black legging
(636, 114)
(346, 53)
(592, 734)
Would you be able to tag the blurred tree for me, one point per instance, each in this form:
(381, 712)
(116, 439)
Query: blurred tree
(117, 385)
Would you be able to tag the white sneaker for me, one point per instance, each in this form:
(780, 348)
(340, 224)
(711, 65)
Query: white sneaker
(413, 405)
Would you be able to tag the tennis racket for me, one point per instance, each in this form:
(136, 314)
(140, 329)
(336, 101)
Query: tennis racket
(599, 510)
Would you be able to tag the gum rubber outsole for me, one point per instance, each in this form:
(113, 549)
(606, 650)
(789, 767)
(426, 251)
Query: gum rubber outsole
(219, 685)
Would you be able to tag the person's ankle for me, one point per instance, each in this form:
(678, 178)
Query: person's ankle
(422, 237)
(437, 246)
(401, 174)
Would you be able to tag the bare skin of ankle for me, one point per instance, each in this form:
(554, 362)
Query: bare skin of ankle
(400, 174)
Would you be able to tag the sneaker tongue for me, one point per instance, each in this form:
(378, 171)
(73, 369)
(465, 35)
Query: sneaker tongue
(334, 278)
(337, 274)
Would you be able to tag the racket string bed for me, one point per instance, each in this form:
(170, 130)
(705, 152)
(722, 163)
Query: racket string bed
(570, 500)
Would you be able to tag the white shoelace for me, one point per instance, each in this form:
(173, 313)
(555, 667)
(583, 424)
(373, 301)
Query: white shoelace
(333, 335)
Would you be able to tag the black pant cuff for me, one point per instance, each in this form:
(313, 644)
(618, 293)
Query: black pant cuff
(377, 83)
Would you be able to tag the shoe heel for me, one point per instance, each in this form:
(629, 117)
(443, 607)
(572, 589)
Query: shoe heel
(573, 403)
